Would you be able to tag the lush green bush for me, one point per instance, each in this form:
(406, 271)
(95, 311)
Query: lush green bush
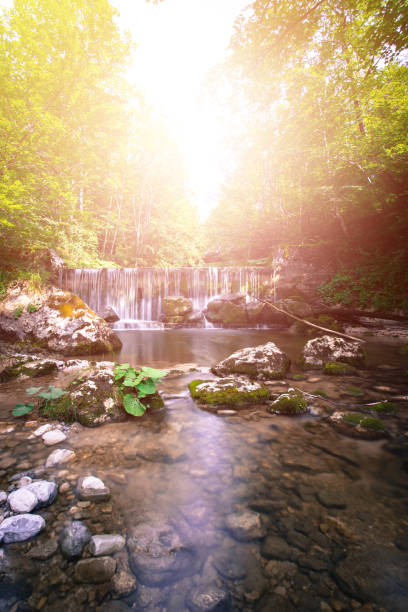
(139, 384)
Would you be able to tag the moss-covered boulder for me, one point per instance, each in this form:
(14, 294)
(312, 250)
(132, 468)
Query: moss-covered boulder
(336, 368)
(178, 312)
(329, 349)
(176, 306)
(227, 311)
(54, 320)
(292, 403)
(265, 361)
(228, 392)
(31, 366)
(358, 425)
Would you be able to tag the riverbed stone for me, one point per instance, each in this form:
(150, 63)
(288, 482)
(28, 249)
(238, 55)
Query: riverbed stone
(106, 544)
(231, 391)
(3, 497)
(158, 555)
(123, 583)
(21, 527)
(43, 550)
(40, 431)
(53, 437)
(176, 306)
(59, 456)
(92, 489)
(22, 500)
(275, 547)
(245, 525)
(266, 361)
(45, 491)
(110, 315)
(73, 539)
(96, 570)
(328, 349)
(207, 598)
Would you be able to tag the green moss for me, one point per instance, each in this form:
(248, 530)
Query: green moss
(336, 368)
(403, 350)
(299, 377)
(372, 423)
(354, 391)
(18, 312)
(228, 396)
(290, 404)
(353, 418)
(320, 392)
(382, 408)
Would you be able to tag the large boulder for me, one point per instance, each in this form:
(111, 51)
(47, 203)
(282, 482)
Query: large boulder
(264, 361)
(228, 392)
(110, 315)
(55, 320)
(227, 310)
(328, 349)
(177, 311)
(19, 364)
(295, 306)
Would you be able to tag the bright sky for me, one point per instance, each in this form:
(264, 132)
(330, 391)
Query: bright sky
(179, 41)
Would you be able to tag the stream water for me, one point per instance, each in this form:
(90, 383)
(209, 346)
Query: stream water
(245, 512)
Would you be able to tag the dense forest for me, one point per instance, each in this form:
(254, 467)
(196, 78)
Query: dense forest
(318, 92)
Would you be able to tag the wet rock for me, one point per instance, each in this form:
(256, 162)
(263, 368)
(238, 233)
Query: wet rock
(22, 500)
(73, 539)
(331, 499)
(291, 404)
(266, 360)
(114, 606)
(20, 528)
(43, 550)
(110, 315)
(45, 491)
(328, 349)
(19, 364)
(165, 453)
(3, 497)
(158, 555)
(227, 310)
(280, 570)
(228, 566)
(53, 437)
(275, 547)
(92, 489)
(59, 456)
(358, 425)
(245, 525)
(228, 391)
(96, 570)
(40, 431)
(106, 544)
(207, 599)
(123, 583)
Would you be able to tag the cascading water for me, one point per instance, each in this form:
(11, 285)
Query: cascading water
(136, 294)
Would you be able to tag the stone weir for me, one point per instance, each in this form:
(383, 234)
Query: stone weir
(136, 294)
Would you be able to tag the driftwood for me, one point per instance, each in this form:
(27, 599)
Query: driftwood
(329, 331)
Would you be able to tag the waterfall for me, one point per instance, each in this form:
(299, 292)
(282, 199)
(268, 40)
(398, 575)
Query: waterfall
(136, 294)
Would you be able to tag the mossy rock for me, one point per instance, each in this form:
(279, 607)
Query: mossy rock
(373, 424)
(358, 425)
(336, 368)
(228, 392)
(176, 306)
(382, 408)
(290, 404)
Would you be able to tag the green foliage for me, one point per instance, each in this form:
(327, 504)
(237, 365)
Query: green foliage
(372, 423)
(338, 369)
(22, 409)
(320, 392)
(289, 404)
(50, 394)
(33, 307)
(382, 408)
(354, 390)
(353, 418)
(18, 312)
(143, 382)
(230, 396)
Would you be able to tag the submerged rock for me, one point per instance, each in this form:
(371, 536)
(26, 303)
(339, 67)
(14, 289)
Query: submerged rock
(53, 437)
(73, 539)
(22, 500)
(95, 571)
(92, 489)
(209, 598)
(33, 496)
(228, 391)
(60, 455)
(106, 544)
(329, 349)
(358, 425)
(55, 320)
(266, 361)
(245, 525)
(20, 528)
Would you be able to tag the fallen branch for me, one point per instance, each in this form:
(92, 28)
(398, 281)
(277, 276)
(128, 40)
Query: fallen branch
(329, 331)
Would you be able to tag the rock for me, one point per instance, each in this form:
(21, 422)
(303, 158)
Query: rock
(53, 437)
(292, 403)
(19, 364)
(228, 566)
(73, 539)
(95, 571)
(158, 555)
(42, 430)
(207, 599)
(194, 319)
(110, 315)
(331, 499)
(43, 550)
(20, 528)
(245, 525)
(161, 453)
(228, 391)
(123, 583)
(275, 547)
(60, 455)
(296, 307)
(281, 570)
(358, 425)
(106, 544)
(3, 497)
(329, 349)
(227, 310)
(92, 489)
(62, 323)
(176, 306)
(45, 492)
(22, 500)
(266, 360)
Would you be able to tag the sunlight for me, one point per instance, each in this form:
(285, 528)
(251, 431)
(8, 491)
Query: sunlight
(178, 42)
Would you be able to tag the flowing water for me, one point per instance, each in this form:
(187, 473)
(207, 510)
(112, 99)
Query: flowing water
(333, 510)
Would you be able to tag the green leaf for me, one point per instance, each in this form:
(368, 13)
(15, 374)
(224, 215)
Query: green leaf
(133, 405)
(133, 382)
(22, 409)
(33, 390)
(154, 374)
(148, 387)
(52, 393)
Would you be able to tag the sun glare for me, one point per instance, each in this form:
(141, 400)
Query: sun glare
(178, 42)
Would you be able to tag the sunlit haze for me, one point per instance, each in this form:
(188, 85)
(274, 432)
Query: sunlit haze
(178, 42)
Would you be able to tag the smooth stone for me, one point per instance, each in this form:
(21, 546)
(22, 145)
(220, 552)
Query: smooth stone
(60, 455)
(20, 528)
(331, 499)
(207, 599)
(245, 525)
(22, 500)
(93, 489)
(53, 437)
(276, 548)
(43, 550)
(42, 430)
(3, 497)
(123, 584)
(106, 544)
(73, 539)
(95, 571)
(24, 481)
(45, 491)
